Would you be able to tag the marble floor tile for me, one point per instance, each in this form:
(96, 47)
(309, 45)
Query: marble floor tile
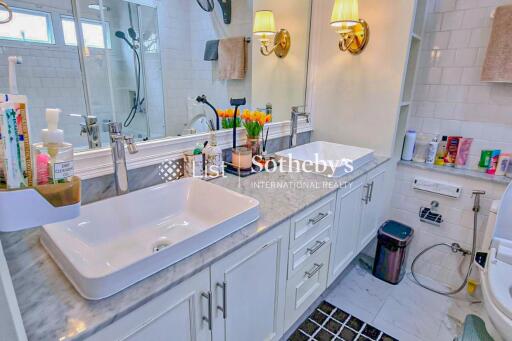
(360, 293)
(405, 311)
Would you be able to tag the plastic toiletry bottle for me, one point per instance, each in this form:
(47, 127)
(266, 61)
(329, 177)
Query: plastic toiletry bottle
(452, 147)
(493, 166)
(463, 152)
(432, 150)
(420, 149)
(441, 151)
(485, 160)
(213, 156)
(408, 149)
(53, 158)
(503, 164)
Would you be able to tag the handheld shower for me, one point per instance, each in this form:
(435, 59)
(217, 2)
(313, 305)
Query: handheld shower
(121, 35)
(137, 103)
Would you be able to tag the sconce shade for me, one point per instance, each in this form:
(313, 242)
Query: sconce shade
(345, 14)
(264, 23)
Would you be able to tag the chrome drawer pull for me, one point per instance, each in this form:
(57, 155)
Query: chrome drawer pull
(316, 268)
(317, 247)
(371, 192)
(366, 198)
(223, 308)
(321, 216)
(208, 296)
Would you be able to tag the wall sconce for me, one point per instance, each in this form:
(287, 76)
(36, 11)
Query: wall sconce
(265, 29)
(354, 32)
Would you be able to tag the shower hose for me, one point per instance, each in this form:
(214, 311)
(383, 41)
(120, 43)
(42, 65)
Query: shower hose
(455, 249)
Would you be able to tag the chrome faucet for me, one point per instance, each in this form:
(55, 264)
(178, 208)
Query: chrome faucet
(294, 122)
(92, 129)
(117, 143)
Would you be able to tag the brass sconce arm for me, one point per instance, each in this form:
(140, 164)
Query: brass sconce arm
(355, 39)
(282, 43)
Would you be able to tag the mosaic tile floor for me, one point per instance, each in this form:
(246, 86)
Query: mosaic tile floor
(330, 323)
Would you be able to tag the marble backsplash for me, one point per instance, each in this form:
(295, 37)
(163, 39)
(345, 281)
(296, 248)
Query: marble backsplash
(103, 187)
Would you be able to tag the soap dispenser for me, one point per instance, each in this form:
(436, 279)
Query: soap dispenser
(53, 158)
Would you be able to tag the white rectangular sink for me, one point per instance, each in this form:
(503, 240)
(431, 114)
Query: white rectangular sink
(120, 241)
(329, 159)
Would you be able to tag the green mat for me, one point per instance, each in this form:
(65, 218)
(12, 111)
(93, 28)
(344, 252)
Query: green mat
(474, 330)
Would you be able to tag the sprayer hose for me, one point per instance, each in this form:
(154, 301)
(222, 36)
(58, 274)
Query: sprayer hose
(470, 267)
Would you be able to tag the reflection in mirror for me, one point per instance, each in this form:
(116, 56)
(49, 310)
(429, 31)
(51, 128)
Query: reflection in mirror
(123, 66)
(145, 62)
(50, 74)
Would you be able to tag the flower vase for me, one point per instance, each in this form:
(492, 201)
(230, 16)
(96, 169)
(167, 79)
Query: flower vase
(254, 144)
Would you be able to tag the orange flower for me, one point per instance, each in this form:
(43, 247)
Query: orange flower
(268, 118)
(220, 113)
(246, 114)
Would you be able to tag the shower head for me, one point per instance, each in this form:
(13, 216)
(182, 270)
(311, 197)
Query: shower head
(121, 35)
(132, 33)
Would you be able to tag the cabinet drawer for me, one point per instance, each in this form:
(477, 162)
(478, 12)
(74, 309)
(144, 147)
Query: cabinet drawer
(305, 287)
(304, 256)
(311, 221)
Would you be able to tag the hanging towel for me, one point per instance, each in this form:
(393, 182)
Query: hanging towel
(211, 50)
(232, 59)
(498, 61)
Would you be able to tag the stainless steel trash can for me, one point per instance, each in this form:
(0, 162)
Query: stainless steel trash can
(391, 256)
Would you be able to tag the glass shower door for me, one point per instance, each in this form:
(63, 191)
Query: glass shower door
(121, 52)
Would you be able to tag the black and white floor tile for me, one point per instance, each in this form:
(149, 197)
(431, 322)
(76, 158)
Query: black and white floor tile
(328, 322)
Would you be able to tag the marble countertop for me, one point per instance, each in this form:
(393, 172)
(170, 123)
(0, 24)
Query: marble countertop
(51, 309)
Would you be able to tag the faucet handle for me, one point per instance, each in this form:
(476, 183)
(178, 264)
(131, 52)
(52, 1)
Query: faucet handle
(130, 144)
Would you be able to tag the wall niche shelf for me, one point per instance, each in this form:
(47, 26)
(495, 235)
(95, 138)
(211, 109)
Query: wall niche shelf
(411, 68)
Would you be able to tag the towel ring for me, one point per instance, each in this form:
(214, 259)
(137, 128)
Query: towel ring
(9, 11)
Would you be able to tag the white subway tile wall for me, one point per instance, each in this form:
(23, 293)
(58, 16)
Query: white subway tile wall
(440, 264)
(449, 98)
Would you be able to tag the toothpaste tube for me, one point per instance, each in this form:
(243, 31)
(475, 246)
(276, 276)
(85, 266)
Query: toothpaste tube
(17, 165)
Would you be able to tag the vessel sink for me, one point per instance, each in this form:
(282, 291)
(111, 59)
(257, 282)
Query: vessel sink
(120, 241)
(329, 159)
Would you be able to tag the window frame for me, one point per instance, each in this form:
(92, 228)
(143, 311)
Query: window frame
(104, 24)
(49, 27)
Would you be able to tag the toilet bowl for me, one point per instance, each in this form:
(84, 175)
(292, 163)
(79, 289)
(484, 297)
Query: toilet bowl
(497, 274)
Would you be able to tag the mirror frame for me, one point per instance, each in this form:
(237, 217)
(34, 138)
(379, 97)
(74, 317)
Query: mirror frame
(98, 162)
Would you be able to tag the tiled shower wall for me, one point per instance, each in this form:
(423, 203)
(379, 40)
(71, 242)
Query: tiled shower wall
(450, 100)
(449, 97)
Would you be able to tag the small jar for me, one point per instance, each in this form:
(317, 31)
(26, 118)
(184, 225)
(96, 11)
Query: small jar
(241, 158)
(53, 163)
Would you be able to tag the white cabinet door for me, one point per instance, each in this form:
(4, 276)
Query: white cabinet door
(248, 289)
(346, 227)
(374, 206)
(179, 314)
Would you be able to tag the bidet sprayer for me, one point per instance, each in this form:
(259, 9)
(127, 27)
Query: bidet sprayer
(476, 205)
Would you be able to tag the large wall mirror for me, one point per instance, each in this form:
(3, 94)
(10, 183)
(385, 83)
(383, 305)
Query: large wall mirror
(142, 62)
